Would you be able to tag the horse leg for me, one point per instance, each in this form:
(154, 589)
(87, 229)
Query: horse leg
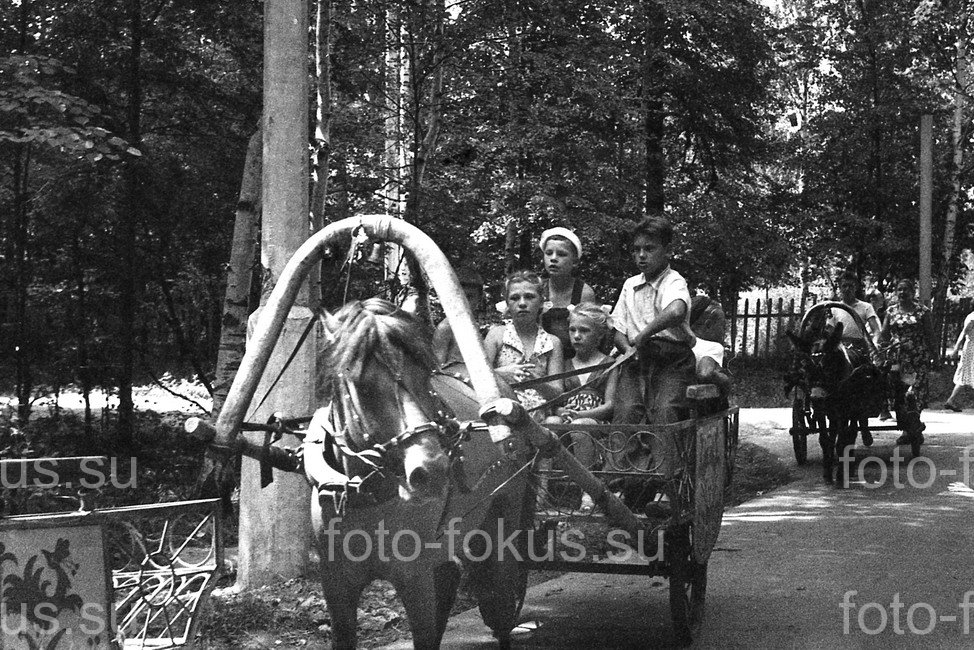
(845, 442)
(418, 592)
(827, 442)
(446, 581)
(342, 593)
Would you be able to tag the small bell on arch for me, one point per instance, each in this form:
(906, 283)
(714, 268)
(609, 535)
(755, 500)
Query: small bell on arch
(378, 255)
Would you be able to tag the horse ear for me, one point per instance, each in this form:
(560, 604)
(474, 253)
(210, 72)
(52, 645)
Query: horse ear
(836, 336)
(797, 341)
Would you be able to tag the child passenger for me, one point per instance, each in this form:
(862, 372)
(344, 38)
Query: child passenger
(588, 326)
(520, 349)
(562, 249)
(708, 324)
(444, 343)
(652, 316)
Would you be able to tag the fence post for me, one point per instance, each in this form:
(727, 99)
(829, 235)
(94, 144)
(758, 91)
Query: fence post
(733, 332)
(757, 325)
(781, 312)
(744, 330)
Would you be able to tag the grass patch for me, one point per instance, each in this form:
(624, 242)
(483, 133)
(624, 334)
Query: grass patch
(756, 471)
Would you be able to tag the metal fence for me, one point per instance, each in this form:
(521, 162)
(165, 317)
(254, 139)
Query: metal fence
(757, 328)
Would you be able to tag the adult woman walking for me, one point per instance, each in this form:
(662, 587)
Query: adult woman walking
(964, 349)
(909, 327)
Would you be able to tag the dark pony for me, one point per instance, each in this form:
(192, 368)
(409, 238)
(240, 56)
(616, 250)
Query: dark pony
(400, 482)
(823, 370)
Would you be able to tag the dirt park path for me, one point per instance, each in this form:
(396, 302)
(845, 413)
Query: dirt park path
(896, 548)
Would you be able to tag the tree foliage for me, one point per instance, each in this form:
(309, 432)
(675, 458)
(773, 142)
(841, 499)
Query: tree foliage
(782, 145)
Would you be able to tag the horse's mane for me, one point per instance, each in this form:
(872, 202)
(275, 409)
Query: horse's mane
(374, 327)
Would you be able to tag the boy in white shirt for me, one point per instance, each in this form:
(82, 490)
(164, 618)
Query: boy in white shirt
(652, 315)
(852, 334)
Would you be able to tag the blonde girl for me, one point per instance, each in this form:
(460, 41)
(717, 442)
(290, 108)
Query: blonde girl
(588, 327)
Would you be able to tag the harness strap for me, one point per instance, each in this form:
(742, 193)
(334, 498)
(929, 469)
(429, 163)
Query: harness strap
(562, 375)
(294, 353)
(593, 380)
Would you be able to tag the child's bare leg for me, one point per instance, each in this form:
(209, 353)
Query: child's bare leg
(583, 447)
(951, 402)
(709, 371)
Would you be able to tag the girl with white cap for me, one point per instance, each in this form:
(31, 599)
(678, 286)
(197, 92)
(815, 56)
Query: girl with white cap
(562, 250)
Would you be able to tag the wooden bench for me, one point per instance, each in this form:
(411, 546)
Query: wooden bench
(124, 577)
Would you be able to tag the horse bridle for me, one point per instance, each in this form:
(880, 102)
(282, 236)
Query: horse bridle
(348, 422)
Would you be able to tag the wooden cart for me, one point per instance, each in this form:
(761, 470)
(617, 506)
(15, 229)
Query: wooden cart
(689, 464)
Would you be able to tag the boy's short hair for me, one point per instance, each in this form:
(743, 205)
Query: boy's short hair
(654, 227)
(469, 277)
(848, 275)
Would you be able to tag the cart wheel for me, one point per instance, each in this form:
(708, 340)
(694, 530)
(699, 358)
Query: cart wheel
(915, 430)
(799, 431)
(500, 587)
(688, 588)
(800, 443)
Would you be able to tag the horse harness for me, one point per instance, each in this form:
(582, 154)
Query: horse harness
(359, 470)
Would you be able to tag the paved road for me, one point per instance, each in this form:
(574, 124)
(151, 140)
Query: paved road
(897, 548)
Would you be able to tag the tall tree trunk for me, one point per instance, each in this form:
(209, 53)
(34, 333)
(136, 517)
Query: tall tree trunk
(183, 345)
(653, 107)
(424, 142)
(79, 323)
(236, 303)
(322, 137)
(956, 197)
(23, 344)
(397, 273)
(128, 281)
(21, 174)
(877, 178)
(392, 147)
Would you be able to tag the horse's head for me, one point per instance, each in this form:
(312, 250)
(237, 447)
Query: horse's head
(820, 364)
(374, 369)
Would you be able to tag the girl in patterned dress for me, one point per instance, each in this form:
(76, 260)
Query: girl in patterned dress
(964, 349)
(520, 349)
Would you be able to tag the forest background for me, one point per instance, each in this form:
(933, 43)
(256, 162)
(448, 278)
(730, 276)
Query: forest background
(781, 138)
